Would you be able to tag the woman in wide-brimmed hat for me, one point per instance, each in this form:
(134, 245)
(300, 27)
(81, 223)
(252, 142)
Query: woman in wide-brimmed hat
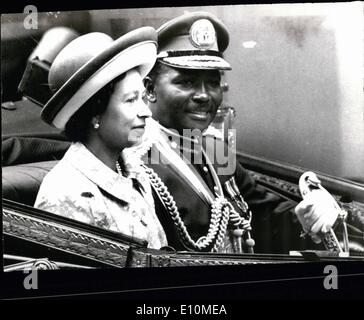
(98, 104)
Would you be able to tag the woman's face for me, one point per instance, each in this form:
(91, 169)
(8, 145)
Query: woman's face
(122, 124)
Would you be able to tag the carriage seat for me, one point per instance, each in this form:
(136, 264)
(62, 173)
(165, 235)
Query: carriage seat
(21, 182)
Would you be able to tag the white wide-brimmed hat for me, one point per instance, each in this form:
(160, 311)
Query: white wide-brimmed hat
(90, 62)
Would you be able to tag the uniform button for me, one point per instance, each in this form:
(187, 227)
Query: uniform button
(205, 169)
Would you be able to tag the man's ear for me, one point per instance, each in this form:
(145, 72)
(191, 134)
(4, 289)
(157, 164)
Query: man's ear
(149, 88)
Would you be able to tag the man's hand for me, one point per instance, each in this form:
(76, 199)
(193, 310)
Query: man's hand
(317, 213)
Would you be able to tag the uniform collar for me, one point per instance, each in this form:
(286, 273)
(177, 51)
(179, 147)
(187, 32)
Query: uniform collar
(191, 145)
(96, 171)
(174, 134)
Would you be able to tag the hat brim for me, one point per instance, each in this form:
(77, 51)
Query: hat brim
(206, 62)
(134, 50)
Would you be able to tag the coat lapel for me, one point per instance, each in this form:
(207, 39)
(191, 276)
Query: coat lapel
(97, 172)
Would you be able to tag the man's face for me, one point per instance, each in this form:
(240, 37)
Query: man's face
(186, 98)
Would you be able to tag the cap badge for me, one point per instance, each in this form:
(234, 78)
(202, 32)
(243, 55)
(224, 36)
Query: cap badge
(202, 34)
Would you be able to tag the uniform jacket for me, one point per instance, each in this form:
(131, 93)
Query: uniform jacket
(83, 188)
(275, 227)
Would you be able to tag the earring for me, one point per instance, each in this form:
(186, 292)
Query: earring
(96, 125)
(151, 97)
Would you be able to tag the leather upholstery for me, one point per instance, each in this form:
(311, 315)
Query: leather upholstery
(21, 182)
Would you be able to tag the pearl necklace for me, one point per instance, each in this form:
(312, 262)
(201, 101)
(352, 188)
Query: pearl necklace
(118, 168)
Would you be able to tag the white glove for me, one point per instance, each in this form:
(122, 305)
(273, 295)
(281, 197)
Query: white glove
(317, 213)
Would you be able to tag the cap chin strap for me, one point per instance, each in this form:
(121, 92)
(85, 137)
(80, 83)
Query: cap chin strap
(200, 62)
(181, 53)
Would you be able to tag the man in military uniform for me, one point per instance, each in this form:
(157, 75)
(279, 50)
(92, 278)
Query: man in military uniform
(201, 206)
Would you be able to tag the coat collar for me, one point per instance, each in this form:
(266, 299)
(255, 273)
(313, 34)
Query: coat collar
(96, 171)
